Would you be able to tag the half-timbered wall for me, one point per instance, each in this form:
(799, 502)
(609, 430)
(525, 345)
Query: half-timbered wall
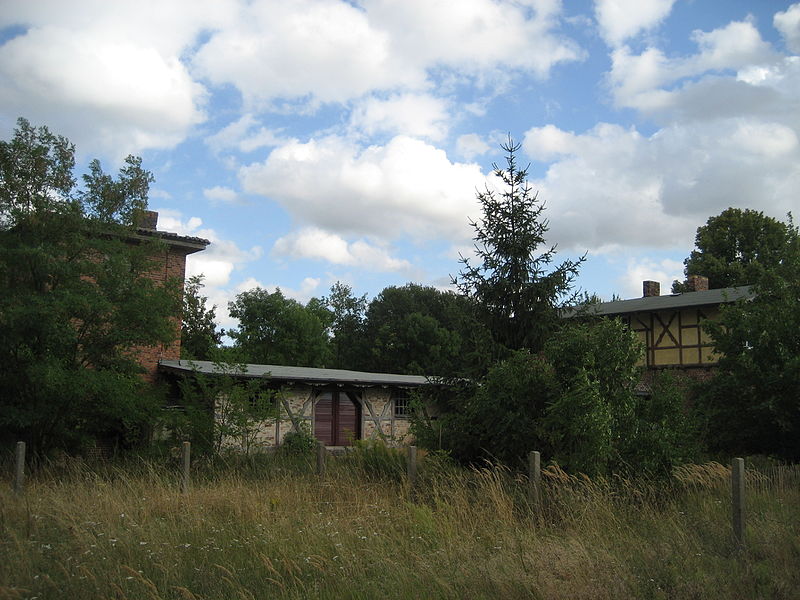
(297, 411)
(675, 338)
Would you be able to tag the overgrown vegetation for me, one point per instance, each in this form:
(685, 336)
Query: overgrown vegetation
(272, 529)
(77, 301)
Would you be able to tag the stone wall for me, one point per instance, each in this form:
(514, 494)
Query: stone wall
(296, 410)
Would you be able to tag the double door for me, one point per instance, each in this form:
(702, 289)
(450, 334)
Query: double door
(337, 418)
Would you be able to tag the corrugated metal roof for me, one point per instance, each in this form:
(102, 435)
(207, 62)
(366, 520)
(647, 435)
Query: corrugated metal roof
(299, 374)
(672, 301)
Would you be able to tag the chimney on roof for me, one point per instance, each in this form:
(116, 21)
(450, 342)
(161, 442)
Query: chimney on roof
(149, 220)
(697, 283)
(651, 288)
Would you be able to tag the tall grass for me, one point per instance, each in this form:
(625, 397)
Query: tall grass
(269, 528)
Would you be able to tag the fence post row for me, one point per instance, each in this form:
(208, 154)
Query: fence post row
(737, 500)
(534, 478)
(19, 471)
(186, 481)
(320, 458)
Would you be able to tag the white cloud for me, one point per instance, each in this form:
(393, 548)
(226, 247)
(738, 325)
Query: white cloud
(640, 81)
(315, 243)
(220, 194)
(330, 51)
(107, 76)
(245, 134)
(471, 145)
(612, 186)
(788, 23)
(416, 115)
(638, 270)
(620, 20)
(405, 188)
(219, 260)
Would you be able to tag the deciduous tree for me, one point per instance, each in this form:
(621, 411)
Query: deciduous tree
(277, 330)
(199, 333)
(737, 247)
(76, 300)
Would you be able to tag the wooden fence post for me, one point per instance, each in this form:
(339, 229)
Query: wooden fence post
(19, 471)
(737, 499)
(186, 480)
(412, 466)
(321, 458)
(534, 478)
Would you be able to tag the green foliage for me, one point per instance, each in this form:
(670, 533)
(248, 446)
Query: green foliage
(77, 301)
(276, 330)
(347, 326)
(298, 443)
(420, 330)
(223, 410)
(738, 246)
(517, 296)
(665, 431)
(199, 334)
(498, 419)
(575, 402)
(751, 404)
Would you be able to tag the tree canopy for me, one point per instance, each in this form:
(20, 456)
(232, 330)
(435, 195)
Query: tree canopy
(752, 404)
(77, 298)
(737, 247)
(199, 333)
(276, 330)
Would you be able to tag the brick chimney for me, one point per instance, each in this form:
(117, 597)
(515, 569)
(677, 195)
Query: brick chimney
(697, 283)
(651, 288)
(149, 220)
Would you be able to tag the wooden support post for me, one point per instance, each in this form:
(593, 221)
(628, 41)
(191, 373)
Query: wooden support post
(19, 472)
(321, 458)
(737, 498)
(186, 481)
(412, 466)
(534, 478)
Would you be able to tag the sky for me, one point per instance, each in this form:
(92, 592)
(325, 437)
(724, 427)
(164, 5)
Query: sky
(315, 141)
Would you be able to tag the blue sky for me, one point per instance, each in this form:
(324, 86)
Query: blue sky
(319, 140)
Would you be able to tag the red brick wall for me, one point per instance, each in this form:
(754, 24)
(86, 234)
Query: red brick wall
(168, 263)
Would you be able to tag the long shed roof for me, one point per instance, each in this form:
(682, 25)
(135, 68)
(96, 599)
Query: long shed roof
(670, 302)
(286, 374)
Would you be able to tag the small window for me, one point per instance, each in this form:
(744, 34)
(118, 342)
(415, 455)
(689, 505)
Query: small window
(402, 404)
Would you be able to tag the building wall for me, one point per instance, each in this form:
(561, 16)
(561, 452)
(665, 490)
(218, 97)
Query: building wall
(675, 338)
(296, 411)
(169, 263)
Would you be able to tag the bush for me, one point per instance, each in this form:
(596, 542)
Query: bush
(298, 443)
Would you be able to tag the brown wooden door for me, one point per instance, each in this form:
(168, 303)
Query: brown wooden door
(337, 418)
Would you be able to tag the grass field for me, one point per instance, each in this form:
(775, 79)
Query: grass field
(273, 529)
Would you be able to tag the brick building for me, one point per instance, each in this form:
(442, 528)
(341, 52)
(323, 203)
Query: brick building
(169, 263)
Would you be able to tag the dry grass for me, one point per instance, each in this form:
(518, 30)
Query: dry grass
(277, 531)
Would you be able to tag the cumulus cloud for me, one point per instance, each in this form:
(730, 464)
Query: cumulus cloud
(416, 115)
(220, 194)
(471, 145)
(620, 20)
(315, 243)
(404, 188)
(104, 75)
(788, 23)
(644, 81)
(246, 134)
(219, 260)
(332, 51)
